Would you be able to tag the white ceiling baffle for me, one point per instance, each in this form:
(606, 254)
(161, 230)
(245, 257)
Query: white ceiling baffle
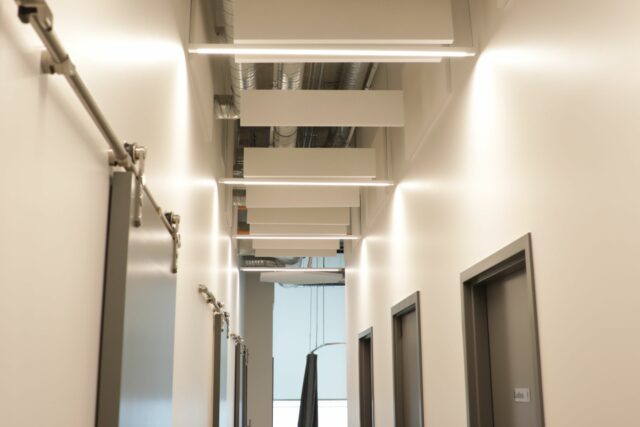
(297, 230)
(302, 277)
(343, 22)
(332, 245)
(295, 253)
(302, 197)
(310, 163)
(299, 216)
(372, 108)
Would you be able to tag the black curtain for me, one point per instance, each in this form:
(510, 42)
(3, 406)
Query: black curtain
(308, 416)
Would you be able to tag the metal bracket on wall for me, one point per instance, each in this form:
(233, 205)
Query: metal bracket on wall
(237, 339)
(56, 60)
(215, 305)
(36, 9)
(139, 154)
(174, 221)
(49, 66)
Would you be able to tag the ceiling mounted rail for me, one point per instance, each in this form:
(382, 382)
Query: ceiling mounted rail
(332, 52)
(270, 182)
(56, 60)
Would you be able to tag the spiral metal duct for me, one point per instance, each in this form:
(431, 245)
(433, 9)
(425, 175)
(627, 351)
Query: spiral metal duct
(287, 77)
(243, 76)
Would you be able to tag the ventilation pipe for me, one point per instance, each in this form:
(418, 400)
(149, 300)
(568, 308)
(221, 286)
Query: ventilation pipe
(269, 262)
(286, 77)
(354, 76)
(243, 76)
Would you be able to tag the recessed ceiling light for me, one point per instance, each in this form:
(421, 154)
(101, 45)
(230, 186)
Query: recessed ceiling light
(281, 237)
(250, 182)
(291, 270)
(345, 51)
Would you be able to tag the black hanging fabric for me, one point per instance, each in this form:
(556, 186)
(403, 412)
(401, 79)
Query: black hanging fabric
(308, 416)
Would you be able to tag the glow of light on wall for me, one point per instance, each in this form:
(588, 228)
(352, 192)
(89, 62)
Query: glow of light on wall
(363, 266)
(231, 271)
(181, 136)
(400, 238)
(190, 183)
(129, 51)
(215, 232)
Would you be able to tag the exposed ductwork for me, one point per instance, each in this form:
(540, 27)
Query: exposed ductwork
(286, 77)
(243, 76)
(354, 76)
(269, 262)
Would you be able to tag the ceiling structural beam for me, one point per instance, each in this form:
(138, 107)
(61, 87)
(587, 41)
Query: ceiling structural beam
(300, 216)
(279, 53)
(372, 108)
(269, 182)
(310, 163)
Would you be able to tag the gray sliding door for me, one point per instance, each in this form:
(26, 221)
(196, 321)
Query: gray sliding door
(136, 360)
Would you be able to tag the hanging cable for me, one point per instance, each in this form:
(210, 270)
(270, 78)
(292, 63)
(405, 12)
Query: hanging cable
(323, 312)
(317, 312)
(310, 312)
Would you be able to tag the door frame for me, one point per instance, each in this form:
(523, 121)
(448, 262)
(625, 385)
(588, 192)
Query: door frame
(513, 257)
(366, 335)
(407, 305)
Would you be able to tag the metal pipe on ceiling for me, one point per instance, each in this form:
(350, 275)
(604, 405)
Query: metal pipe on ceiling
(242, 75)
(354, 76)
(287, 77)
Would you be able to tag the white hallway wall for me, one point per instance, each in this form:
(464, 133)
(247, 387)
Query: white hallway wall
(540, 135)
(54, 190)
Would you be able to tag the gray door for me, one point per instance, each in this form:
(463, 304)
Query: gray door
(411, 393)
(136, 356)
(511, 351)
(366, 381)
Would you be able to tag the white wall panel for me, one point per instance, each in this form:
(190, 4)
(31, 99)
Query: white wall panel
(539, 135)
(370, 108)
(309, 216)
(302, 197)
(309, 163)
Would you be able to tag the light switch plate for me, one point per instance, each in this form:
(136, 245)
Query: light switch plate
(522, 395)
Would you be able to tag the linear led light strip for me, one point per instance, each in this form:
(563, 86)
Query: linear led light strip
(292, 270)
(281, 237)
(249, 182)
(334, 50)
